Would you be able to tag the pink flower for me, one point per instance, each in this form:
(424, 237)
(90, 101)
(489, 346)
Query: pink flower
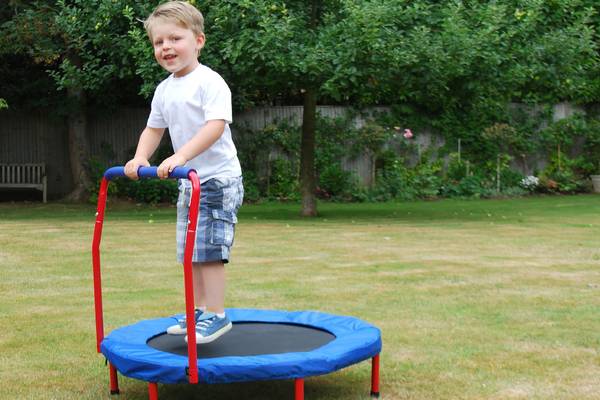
(408, 133)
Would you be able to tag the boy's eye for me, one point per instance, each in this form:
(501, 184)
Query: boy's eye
(158, 43)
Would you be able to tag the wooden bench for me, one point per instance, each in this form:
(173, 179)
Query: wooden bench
(24, 176)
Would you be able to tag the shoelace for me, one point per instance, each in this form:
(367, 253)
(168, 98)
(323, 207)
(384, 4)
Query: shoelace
(205, 323)
(182, 321)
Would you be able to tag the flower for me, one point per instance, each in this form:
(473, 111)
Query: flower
(530, 182)
(408, 133)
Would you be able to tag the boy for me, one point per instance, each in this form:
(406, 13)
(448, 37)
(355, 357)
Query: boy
(194, 102)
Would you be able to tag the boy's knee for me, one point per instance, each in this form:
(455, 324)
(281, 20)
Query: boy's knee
(208, 264)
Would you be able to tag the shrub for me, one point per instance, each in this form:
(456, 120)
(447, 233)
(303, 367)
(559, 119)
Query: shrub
(151, 191)
(143, 191)
(565, 175)
(251, 191)
(283, 181)
(336, 183)
(530, 183)
(470, 186)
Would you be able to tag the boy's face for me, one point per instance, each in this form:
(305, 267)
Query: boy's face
(176, 48)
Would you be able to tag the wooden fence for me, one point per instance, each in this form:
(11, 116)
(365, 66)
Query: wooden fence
(40, 137)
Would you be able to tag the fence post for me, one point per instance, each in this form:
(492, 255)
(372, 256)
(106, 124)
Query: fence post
(498, 173)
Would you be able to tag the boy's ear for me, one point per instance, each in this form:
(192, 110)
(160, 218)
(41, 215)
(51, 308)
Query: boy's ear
(200, 40)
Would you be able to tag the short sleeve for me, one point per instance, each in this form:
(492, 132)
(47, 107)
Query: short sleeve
(217, 101)
(156, 118)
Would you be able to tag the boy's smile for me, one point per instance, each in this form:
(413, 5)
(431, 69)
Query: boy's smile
(176, 48)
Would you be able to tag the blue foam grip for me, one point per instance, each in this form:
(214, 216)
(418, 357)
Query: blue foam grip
(148, 172)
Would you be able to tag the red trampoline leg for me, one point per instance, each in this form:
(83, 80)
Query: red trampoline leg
(114, 381)
(299, 389)
(375, 376)
(152, 391)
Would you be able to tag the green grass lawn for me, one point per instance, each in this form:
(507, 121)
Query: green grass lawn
(495, 299)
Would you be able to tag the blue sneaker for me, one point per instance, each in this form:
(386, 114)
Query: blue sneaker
(181, 327)
(210, 327)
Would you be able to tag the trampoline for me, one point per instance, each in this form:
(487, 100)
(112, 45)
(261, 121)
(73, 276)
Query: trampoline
(263, 344)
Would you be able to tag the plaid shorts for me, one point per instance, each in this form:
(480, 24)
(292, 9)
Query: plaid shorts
(220, 199)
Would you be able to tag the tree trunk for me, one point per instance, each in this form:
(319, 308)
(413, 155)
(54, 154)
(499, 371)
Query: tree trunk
(78, 153)
(307, 154)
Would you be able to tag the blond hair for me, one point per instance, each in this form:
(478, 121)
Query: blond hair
(179, 12)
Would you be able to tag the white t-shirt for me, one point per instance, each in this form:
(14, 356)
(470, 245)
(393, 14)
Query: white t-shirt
(184, 105)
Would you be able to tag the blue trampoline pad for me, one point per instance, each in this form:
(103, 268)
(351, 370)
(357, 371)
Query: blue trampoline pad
(263, 345)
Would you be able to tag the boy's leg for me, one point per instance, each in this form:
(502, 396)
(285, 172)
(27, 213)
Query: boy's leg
(199, 301)
(199, 287)
(214, 323)
(210, 285)
(220, 200)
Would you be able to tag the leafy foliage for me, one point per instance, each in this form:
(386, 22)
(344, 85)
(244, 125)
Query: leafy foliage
(453, 67)
(83, 43)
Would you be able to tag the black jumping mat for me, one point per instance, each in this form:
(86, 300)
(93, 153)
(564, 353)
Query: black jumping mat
(249, 339)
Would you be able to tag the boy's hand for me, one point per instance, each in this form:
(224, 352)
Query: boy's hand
(167, 166)
(132, 166)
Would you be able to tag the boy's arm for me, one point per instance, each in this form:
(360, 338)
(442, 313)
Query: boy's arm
(202, 140)
(149, 141)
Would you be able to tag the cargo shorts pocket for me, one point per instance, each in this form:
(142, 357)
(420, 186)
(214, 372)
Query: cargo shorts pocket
(222, 228)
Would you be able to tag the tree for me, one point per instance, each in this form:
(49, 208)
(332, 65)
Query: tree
(84, 45)
(319, 50)
(334, 50)
(466, 62)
